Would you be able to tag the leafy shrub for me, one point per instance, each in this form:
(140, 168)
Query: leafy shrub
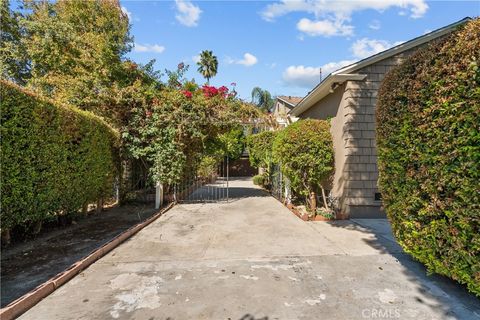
(428, 138)
(259, 180)
(228, 144)
(179, 127)
(207, 167)
(55, 159)
(260, 148)
(305, 151)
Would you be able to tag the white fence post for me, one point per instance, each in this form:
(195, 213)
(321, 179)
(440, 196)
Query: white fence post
(288, 191)
(158, 195)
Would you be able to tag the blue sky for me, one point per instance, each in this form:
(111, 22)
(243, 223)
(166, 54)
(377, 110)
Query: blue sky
(279, 45)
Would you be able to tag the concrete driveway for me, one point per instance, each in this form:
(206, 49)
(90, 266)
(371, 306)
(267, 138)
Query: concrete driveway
(252, 258)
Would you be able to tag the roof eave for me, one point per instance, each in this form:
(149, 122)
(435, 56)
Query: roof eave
(287, 102)
(415, 42)
(322, 90)
(306, 102)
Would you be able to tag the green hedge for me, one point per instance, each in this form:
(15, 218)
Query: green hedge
(260, 148)
(304, 150)
(428, 138)
(259, 180)
(55, 158)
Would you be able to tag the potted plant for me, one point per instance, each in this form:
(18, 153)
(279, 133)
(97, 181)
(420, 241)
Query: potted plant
(324, 214)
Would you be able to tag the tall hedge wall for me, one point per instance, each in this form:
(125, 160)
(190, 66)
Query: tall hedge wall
(428, 138)
(54, 158)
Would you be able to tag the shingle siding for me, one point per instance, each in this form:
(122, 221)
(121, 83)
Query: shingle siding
(360, 171)
(352, 109)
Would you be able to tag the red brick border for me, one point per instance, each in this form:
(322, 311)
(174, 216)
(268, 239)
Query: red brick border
(28, 300)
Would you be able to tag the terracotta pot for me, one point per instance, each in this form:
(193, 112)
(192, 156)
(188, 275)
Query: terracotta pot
(304, 217)
(321, 218)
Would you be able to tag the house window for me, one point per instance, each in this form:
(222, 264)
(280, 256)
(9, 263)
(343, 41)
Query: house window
(378, 196)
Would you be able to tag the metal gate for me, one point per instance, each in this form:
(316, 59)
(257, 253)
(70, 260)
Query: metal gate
(277, 182)
(204, 189)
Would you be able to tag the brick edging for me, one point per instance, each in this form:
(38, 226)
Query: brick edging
(31, 298)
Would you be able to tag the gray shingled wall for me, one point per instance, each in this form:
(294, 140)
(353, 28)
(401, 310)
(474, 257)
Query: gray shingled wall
(360, 170)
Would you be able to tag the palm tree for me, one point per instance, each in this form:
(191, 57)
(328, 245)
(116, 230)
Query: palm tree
(208, 65)
(262, 99)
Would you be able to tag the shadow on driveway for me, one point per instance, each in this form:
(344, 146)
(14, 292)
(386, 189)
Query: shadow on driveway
(443, 293)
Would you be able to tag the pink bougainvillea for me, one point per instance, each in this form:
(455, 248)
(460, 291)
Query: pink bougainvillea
(187, 93)
(223, 91)
(211, 91)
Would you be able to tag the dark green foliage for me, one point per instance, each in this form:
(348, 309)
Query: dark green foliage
(305, 151)
(428, 137)
(232, 142)
(260, 153)
(55, 158)
(260, 148)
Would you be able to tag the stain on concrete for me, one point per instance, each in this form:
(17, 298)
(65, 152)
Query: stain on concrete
(315, 300)
(387, 296)
(137, 292)
(283, 267)
(240, 261)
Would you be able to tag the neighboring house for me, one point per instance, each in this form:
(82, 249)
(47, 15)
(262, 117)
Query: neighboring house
(283, 105)
(348, 96)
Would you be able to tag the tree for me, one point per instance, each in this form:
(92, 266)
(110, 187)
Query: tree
(75, 50)
(208, 65)
(304, 151)
(262, 99)
(13, 59)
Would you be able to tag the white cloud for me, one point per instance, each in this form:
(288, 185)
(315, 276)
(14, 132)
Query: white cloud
(188, 13)
(334, 66)
(341, 9)
(308, 77)
(126, 12)
(332, 17)
(366, 47)
(248, 60)
(148, 48)
(324, 28)
(196, 58)
(374, 25)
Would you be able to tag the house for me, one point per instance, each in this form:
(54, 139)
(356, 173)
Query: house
(348, 96)
(283, 105)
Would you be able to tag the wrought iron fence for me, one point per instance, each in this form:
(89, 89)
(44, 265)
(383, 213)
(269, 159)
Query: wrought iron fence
(204, 189)
(277, 183)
